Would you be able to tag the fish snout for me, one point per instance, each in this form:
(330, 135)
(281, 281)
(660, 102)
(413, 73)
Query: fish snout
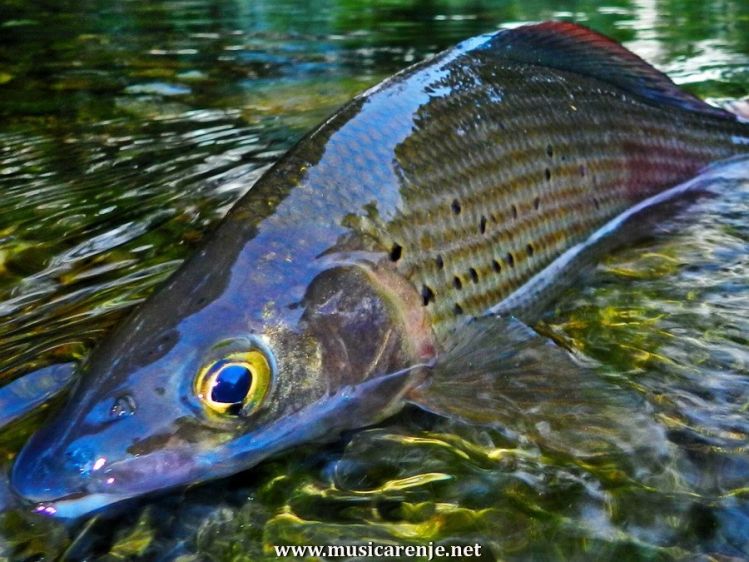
(73, 480)
(42, 474)
(54, 465)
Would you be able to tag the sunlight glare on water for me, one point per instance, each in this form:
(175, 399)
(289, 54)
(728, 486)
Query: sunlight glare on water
(129, 129)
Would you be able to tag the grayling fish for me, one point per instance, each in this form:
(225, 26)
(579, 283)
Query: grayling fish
(399, 250)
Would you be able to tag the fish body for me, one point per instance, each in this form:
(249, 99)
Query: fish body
(346, 273)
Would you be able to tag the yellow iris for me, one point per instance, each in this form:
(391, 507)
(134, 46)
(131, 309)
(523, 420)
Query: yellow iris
(237, 383)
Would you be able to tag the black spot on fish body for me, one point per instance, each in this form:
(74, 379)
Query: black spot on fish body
(547, 173)
(510, 259)
(440, 262)
(536, 203)
(529, 249)
(550, 151)
(482, 224)
(496, 266)
(514, 210)
(474, 275)
(427, 295)
(457, 309)
(455, 206)
(457, 283)
(395, 252)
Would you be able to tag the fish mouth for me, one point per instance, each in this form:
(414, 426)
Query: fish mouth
(70, 496)
(39, 479)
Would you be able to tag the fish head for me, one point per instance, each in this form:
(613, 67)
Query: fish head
(185, 392)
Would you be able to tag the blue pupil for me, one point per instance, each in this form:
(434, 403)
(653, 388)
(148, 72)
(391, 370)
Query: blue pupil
(232, 383)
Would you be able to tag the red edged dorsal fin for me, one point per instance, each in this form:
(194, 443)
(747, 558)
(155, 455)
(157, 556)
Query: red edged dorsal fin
(574, 48)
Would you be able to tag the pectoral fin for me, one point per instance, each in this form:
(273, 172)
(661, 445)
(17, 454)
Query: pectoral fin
(501, 373)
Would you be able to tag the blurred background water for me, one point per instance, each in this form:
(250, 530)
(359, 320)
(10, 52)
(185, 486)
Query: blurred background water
(129, 127)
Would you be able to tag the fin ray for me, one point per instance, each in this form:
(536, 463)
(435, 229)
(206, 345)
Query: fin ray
(574, 48)
(500, 373)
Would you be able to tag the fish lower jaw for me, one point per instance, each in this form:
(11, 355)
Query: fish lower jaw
(98, 493)
(77, 506)
(75, 496)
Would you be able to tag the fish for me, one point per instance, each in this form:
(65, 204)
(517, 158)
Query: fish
(400, 253)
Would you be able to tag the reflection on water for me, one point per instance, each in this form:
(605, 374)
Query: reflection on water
(128, 129)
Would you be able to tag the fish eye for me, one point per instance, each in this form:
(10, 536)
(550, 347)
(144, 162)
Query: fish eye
(234, 384)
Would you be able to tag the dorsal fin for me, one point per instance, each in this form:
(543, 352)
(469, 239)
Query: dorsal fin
(574, 48)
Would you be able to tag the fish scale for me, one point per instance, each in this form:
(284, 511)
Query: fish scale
(495, 164)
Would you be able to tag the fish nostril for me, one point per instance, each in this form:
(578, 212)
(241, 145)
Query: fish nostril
(123, 406)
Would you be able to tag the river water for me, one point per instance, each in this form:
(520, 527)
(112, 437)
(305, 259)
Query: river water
(129, 128)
